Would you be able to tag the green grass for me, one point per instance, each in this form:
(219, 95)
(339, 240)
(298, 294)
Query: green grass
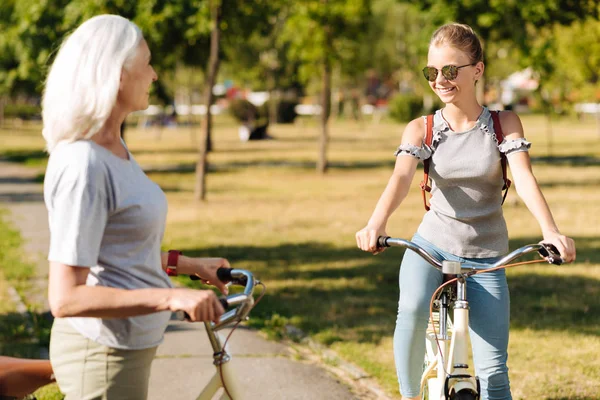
(21, 335)
(268, 211)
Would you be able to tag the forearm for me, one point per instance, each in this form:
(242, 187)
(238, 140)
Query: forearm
(529, 190)
(107, 302)
(391, 198)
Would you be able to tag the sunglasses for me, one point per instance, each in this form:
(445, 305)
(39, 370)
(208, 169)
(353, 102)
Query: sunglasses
(450, 72)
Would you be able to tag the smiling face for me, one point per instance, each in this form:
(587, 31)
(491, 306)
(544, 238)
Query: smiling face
(136, 78)
(461, 87)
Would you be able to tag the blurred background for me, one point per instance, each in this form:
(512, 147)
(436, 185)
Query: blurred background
(272, 129)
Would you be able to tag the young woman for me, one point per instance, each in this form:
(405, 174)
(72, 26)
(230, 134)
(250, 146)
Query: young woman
(465, 221)
(108, 286)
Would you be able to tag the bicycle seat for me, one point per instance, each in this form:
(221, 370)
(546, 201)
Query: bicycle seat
(20, 377)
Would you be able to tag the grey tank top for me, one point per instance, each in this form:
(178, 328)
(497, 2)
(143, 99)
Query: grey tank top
(466, 216)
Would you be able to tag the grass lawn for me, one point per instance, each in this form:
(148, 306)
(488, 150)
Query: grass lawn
(268, 211)
(20, 335)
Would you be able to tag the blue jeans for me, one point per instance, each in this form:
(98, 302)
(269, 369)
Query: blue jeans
(489, 316)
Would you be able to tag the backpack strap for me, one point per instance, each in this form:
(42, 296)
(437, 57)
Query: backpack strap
(425, 182)
(500, 138)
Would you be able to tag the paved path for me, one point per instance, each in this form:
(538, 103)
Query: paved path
(266, 370)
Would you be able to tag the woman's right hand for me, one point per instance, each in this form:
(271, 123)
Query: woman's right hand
(366, 239)
(200, 305)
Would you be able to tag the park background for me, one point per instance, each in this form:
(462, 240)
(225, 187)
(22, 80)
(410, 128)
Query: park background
(332, 82)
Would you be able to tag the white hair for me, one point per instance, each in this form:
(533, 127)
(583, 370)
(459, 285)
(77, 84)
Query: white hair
(83, 82)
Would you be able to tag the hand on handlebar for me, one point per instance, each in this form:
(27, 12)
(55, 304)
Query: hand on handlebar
(564, 245)
(206, 271)
(198, 305)
(366, 240)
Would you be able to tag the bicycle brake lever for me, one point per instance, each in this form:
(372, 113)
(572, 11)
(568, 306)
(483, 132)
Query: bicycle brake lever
(551, 253)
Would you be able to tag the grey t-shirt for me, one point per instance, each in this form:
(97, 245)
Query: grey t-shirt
(107, 215)
(466, 216)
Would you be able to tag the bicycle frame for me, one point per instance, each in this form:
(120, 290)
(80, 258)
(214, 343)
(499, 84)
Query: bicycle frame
(224, 376)
(223, 373)
(449, 344)
(447, 350)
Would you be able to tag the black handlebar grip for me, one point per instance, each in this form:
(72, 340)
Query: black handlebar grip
(224, 274)
(382, 241)
(551, 253)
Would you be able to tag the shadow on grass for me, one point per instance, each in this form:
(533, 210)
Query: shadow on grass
(24, 156)
(21, 197)
(242, 165)
(355, 295)
(360, 165)
(570, 160)
(25, 335)
(587, 182)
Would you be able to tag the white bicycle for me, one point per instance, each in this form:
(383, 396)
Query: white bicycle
(446, 367)
(223, 376)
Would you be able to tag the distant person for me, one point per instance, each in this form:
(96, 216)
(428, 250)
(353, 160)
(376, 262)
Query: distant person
(465, 220)
(108, 288)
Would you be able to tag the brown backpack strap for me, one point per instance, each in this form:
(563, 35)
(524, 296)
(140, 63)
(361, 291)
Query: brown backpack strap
(500, 138)
(425, 182)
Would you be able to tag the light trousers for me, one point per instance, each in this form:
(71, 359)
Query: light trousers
(86, 370)
(489, 316)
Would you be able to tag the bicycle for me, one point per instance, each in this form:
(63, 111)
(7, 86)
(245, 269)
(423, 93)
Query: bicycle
(446, 364)
(223, 376)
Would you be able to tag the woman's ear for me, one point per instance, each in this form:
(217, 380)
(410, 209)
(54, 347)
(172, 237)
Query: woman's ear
(479, 68)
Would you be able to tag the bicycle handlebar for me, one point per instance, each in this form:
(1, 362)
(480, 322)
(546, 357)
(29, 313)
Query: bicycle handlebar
(244, 301)
(546, 250)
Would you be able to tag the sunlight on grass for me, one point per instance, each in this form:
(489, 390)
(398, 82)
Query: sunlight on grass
(268, 211)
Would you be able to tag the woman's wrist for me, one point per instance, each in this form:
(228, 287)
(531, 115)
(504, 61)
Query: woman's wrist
(551, 231)
(377, 225)
(189, 265)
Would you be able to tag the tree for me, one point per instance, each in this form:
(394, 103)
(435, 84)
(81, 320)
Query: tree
(261, 60)
(213, 70)
(577, 59)
(29, 31)
(320, 33)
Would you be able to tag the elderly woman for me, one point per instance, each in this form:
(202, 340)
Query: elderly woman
(108, 287)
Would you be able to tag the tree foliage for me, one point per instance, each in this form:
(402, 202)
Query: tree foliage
(306, 28)
(29, 33)
(510, 19)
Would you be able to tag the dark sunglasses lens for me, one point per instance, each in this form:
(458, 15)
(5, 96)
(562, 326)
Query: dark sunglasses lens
(450, 72)
(430, 73)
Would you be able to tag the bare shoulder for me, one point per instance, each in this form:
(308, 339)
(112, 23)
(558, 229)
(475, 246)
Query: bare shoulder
(414, 132)
(511, 125)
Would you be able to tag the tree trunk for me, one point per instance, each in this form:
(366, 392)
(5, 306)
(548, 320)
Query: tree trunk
(273, 99)
(190, 103)
(549, 136)
(2, 103)
(325, 103)
(213, 70)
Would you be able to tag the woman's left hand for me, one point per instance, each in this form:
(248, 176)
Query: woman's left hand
(565, 245)
(206, 270)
